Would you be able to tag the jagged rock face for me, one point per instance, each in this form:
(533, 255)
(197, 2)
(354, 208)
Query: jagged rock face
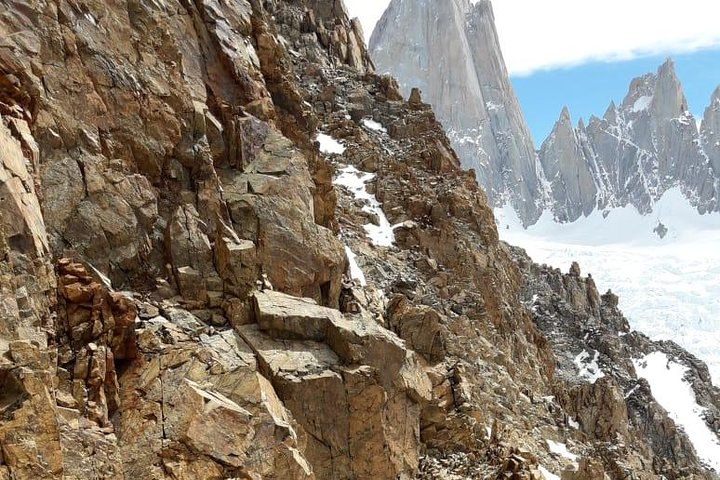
(710, 132)
(633, 155)
(373, 383)
(575, 318)
(29, 430)
(564, 158)
(122, 128)
(450, 51)
(175, 294)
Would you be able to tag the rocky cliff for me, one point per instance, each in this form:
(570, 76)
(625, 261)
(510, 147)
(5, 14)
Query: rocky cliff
(635, 153)
(230, 250)
(710, 134)
(450, 51)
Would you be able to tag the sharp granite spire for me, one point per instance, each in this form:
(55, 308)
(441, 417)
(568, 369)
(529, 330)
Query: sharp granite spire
(710, 132)
(563, 157)
(450, 50)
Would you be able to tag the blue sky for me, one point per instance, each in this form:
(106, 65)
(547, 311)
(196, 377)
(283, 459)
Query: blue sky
(587, 89)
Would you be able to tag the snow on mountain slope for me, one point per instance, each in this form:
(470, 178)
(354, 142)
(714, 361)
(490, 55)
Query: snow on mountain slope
(668, 287)
(635, 153)
(382, 234)
(666, 379)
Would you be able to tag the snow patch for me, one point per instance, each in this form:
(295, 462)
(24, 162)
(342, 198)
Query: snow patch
(668, 386)
(632, 390)
(574, 423)
(355, 181)
(90, 18)
(493, 107)
(371, 124)
(547, 474)
(642, 103)
(356, 272)
(103, 278)
(588, 368)
(685, 119)
(561, 449)
(382, 234)
(329, 145)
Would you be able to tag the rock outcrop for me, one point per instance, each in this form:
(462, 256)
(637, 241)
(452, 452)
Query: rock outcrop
(450, 51)
(30, 431)
(612, 402)
(177, 293)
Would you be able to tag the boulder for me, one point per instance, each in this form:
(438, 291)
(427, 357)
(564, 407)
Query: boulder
(420, 326)
(355, 425)
(355, 339)
(221, 417)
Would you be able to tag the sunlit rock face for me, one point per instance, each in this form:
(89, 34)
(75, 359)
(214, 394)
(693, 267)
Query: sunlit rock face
(182, 185)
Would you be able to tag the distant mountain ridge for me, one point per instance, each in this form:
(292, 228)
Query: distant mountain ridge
(636, 152)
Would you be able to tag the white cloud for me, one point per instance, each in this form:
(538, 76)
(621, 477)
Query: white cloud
(368, 11)
(559, 33)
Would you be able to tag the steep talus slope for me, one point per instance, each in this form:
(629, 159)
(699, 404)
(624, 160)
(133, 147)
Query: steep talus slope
(450, 51)
(176, 292)
(634, 154)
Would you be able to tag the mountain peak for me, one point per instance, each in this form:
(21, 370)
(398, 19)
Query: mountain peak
(454, 43)
(667, 69)
(715, 97)
(565, 116)
(610, 115)
(660, 93)
(654, 119)
(669, 100)
(483, 7)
